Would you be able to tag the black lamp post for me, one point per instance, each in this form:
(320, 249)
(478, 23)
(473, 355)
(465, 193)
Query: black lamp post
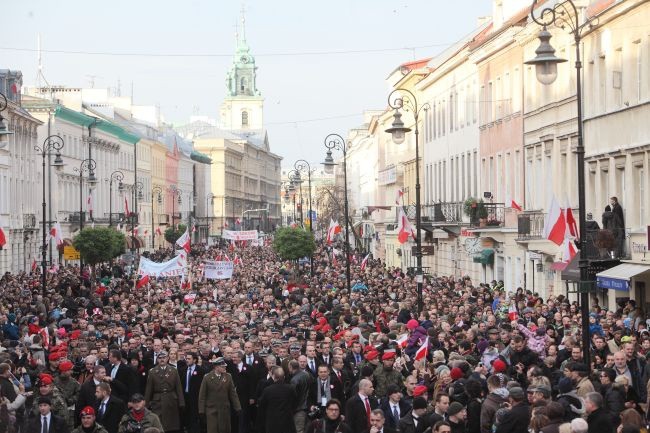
(4, 131)
(116, 176)
(565, 15)
(175, 192)
(209, 202)
(296, 181)
(136, 191)
(56, 143)
(335, 141)
(88, 165)
(156, 191)
(398, 131)
(303, 166)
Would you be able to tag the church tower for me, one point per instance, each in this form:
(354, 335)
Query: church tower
(243, 106)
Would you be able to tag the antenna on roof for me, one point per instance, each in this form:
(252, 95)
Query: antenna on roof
(39, 72)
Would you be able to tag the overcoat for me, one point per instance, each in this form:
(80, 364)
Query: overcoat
(217, 396)
(164, 396)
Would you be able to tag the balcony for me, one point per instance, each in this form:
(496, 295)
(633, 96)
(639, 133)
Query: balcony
(495, 216)
(29, 221)
(444, 213)
(530, 225)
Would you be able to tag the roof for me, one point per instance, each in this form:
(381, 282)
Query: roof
(84, 120)
(416, 64)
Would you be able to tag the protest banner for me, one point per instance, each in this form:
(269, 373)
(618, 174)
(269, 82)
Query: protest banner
(246, 235)
(217, 270)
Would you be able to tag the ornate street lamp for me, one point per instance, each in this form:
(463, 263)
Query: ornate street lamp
(409, 103)
(565, 16)
(4, 130)
(156, 191)
(335, 141)
(116, 176)
(87, 165)
(56, 143)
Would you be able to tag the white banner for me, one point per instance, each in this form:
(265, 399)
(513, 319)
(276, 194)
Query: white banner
(246, 235)
(214, 270)
(172, 268)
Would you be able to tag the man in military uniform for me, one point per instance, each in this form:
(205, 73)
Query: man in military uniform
(164, 393)
(88, 423)
(385, 374)
(69, 389)
(46, 388)
(216, 397)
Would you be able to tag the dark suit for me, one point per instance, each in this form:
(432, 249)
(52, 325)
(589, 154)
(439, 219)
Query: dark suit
(407, 424)
(86, 398)
(115, 410)
(516, 419)
(57, 425)
(321, 359)
(355, 413)
(309, 370)
(125, 383)
(245, 381)
(276, 408)
(387, 408)
(191, 415)
(386, 429)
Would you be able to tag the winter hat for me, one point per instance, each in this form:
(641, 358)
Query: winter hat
(456, 373)
(565, 385)
(419, 390)
(481, 346)
(498, 366)
(454, 408)
(412, 324)
(419, 403)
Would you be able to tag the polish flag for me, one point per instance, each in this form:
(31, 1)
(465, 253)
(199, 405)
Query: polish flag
(89, 205)
(142, 281)
(45, 335)
(333, 230)
(402, 340)
(226, 258)
(189, 298)
(238, 222)
(423, 350)
(231, 246)
(571, 223)
(364, 262)
(237, 260)
(3, 238)
(569, 250)
(57, 233)
(512, 311)
(193, 228)
(399, 196)
(158, 231)
(184, 241)
(126, 207)
(555, 223)
(405, 227)
(34, 265)
(511, 203)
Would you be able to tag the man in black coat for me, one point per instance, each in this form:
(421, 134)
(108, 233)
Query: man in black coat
(393, 406)
(516, 420)
(55, 424)
(598, 418)
(191, 376)
(244, 379)
(415, 421)
(109, 409)
(378, 423)
(277, 405)
(327, 388)
(122, 377)
(87, 392)
(358, 407)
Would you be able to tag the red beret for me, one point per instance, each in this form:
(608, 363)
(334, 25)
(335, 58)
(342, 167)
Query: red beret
(65, 366)
(456, 373)
(87, 411)
(46, 379)
(419, 390)
(54, 356)
(368, 348)
(498, 366)
(74, 335)
(373, 354)
(388, 355)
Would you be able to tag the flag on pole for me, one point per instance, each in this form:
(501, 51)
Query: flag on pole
(364, 262)
(511, 203)
(126, 207)
(399, 196)
(158, 231)
(56, 234)
(405, 229)
(237, 260)
(184, 241)
(193, 228)
(333, 230)
(34, 265)
(423, 350)
(144, 279)
(555, 223)
(3, 238)
(89, 204)
(402, 340)
(512, 311)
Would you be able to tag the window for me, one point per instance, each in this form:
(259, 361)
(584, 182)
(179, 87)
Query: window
(244, 118)
(243, 84)
(639, 68)
(451, 112)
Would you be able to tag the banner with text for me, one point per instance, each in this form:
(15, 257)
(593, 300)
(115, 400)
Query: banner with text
(213, 270)
(172, 268)
(246, 235)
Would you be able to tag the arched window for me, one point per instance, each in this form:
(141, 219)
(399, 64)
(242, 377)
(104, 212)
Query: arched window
(244, 118)
(243, 84)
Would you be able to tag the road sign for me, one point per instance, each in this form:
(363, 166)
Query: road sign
(70, 253)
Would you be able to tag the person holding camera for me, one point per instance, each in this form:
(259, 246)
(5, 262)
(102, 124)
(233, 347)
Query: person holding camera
(138, 417)
(331, 422)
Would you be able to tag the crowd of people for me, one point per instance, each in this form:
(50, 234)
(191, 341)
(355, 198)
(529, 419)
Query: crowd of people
(276, 349)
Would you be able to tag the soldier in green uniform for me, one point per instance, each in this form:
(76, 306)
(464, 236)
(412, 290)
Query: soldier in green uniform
(88, 423)
(217, 396)
(46, 388)
(385, 374)
(69, 389)
(164, 394)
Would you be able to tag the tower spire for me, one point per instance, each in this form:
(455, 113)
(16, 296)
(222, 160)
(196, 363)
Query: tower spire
(243, 22)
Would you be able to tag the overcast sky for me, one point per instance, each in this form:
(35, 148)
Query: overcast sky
(310, 87)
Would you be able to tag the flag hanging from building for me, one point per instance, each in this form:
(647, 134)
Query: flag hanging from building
(511, 203)
(405, 229)
(3, 238)
(399, 196)
(555, 223)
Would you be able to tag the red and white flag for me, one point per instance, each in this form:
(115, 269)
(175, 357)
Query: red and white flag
(193, 228)
(511, 203)
(555, 223)
(364, 262)
(184, 241)
(45, 335)
(512, 311)
(144, 279)
(571, 223)
(57, 234)
(34, 265)
(189, 298)
(399, 196)
(238, 222)
(226, 258)
(423, 350)
(3, 238)
(237, 260)
(89, 204)
(126, 207)
(158, 231)
(405, 229)
(402, 340)
(333, 230)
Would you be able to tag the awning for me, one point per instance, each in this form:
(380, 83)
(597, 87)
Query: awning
(559, 266)
(486, 257)
(618, 277)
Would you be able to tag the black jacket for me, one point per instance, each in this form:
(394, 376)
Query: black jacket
(600, 422)
(355, 413)
(57, 425)
(115, 410)
(516, 420)
(86, 398)
(125, 383)
(276, 408)
(386, 407)
(407, 424)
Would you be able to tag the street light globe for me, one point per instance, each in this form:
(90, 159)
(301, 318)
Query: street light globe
(58, 162)
(328, 164)
(545, 61)
(397, 129)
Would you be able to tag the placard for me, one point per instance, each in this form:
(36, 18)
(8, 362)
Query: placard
(245, 235)
(213, 270)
